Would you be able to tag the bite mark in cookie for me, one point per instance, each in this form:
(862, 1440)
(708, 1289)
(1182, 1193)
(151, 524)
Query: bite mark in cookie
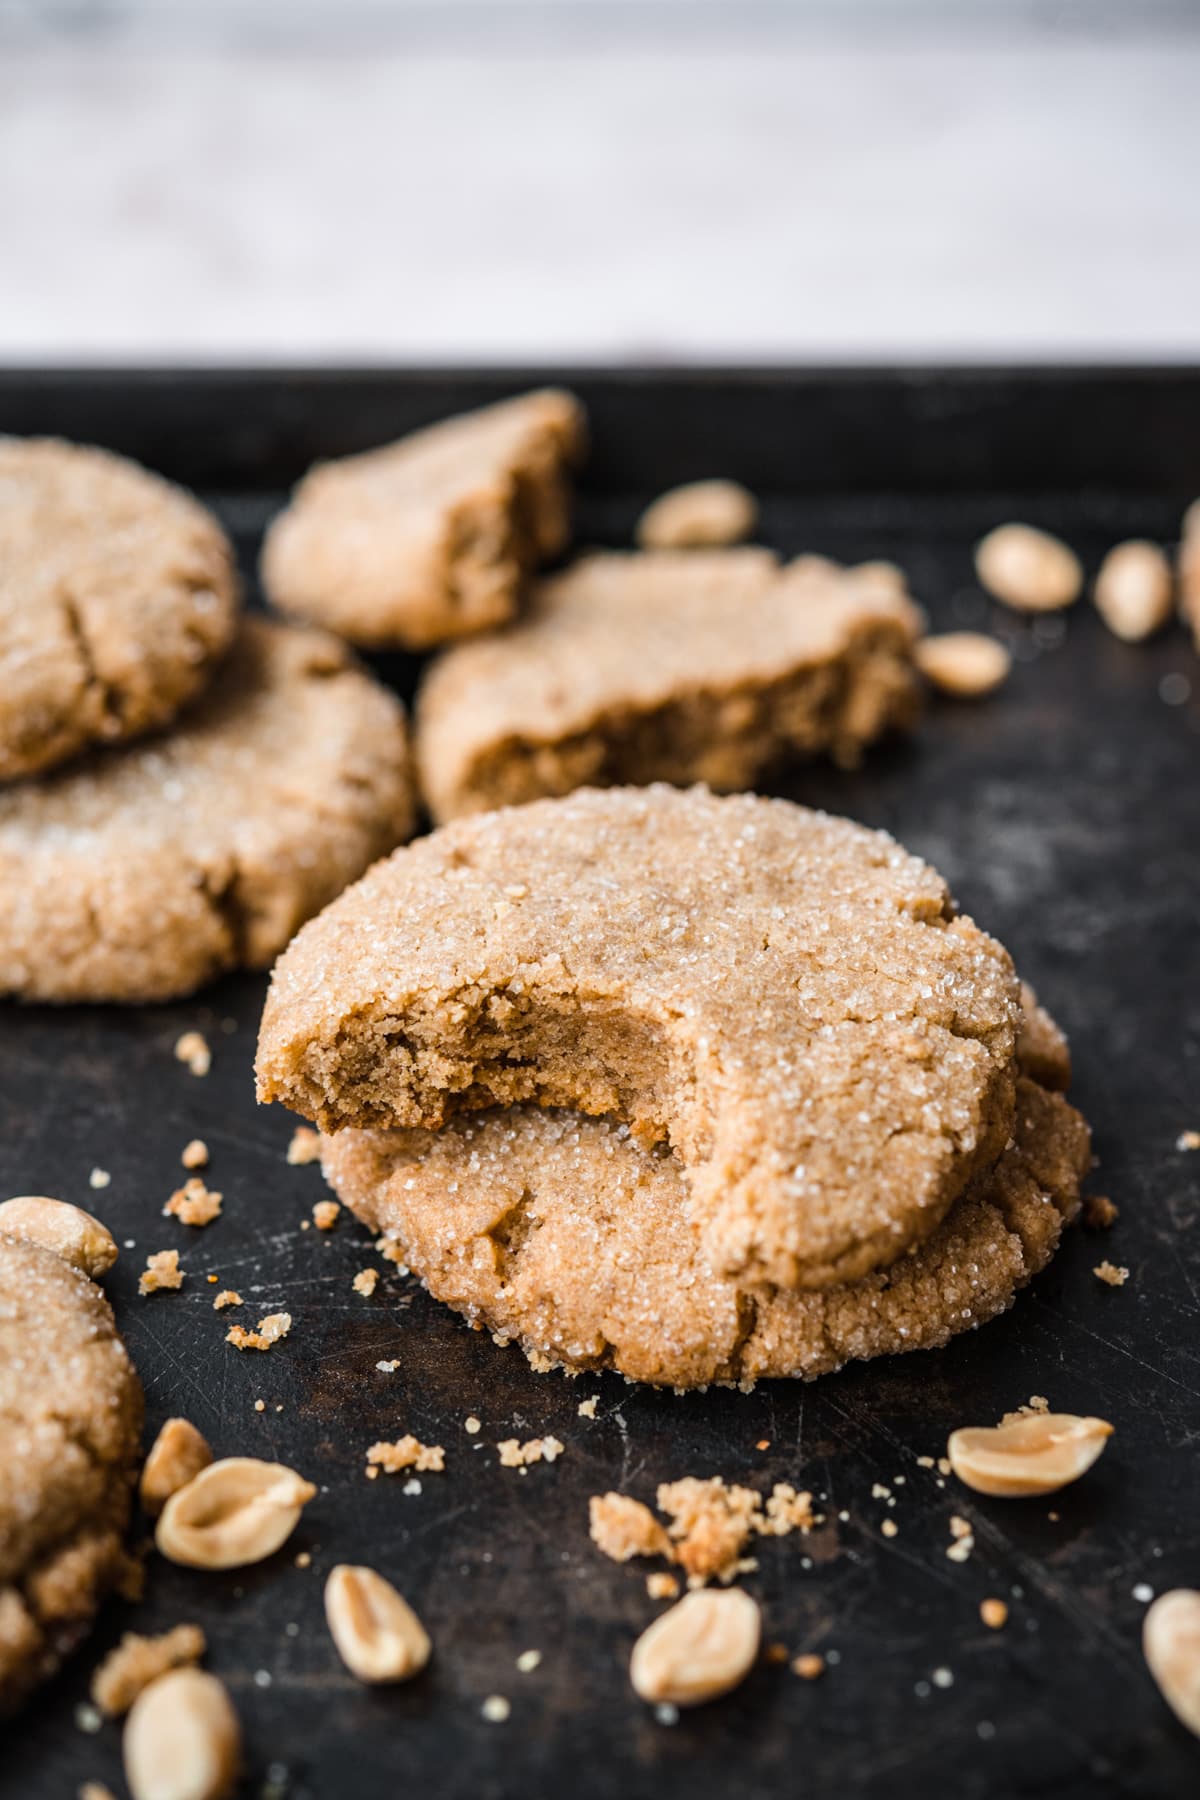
(672, 666)
(118, 594)
(141, 873)
(785, 998)
(430, 538)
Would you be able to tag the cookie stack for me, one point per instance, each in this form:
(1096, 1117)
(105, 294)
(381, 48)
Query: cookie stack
(695, 1088)
(180, 787)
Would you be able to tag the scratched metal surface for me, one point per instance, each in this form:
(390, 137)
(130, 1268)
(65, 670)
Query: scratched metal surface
(1066, 814)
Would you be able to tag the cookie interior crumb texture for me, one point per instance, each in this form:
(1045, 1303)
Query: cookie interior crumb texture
(70, 1421)
(140, 873)
(430, 538)
(667, 666)
(118, 596)
(786, 1000)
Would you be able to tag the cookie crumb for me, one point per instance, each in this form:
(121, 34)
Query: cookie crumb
(959, 1550)
(99, 1178)
(786, 1511)
(1111, 1274)
(260, 1406)
(809, 1667)
(472, 1425)
(193, 1203)
(711, 1522)
(406, 1453)
(325, 1214)
(391, 1252)
(660, 1585)
(227, 1297)
(162, 1271)
(305, 1146)
(388, 1368)
(516, 1455)
(994, 1614)
(587, 1408)
(1188, 1140)
(495, 1709)
(195, 1154)
(1099, 1212)
(88, 1718)
(270, 1330)
(365, 1282)
(192, 1050)
(528, 1661)
(889, 1528)
(137, 1661)
(621, 1527)
(925, 1462)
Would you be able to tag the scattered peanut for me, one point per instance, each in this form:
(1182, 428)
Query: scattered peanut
(236, 1511)
(702, 1647)
(699, 515)
(1171, 1641)
(1134, 591)
(56, 1225)
(1189, 569)
(378, 1635)
(963, 663)
(182, 1739)
(1028, 569)
(177, 1455)
(1032, 1453)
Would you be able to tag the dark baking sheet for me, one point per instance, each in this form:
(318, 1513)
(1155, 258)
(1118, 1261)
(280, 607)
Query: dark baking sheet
(1066, 814)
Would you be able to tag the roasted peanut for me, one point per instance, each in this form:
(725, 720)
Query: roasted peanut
(1134, 590)
(1171, 1641)
(56, 1225)
(1036, 1453)
(234, 1512)
(963, 663)
(700, 515)
(378, 1635)
(182, 1740)
(177, 1455)
(1028, 569)
(698, 1649)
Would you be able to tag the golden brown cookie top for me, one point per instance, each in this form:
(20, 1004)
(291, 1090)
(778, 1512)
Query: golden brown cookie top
(143, 871)
(70, 1419)
(118, 595)
(429, 538)
(785, 997)
(619, 640)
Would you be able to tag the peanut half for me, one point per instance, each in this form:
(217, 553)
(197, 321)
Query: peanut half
(177, 1455)
(236, 1511)
(1171, 1641)
(700, 515)
(700, 1648)
(182, 1740)
(963, 663)
(1028, 569)
(67, 1230)
(378, 1635)
(1034, 1454)
(1134, 593)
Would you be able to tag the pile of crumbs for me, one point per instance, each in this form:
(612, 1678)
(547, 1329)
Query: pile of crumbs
(270, 1330)
(516, 1455)
(711, 1523)
(227, 1297)
(162, 1271)
(192, 1050)
(365, 1282)
(305, 1146)
(194, 1203)
(406, 1453)
(1111, 1274)
(195, 1154)
(325, 1214)
(1036, 1403)
(137, 1661)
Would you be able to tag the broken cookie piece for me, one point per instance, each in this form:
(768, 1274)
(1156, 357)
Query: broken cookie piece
(430, 538)
(666, 666)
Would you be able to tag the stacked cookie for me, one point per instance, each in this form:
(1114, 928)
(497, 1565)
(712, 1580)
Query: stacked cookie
(179, 788)
(693, 1088)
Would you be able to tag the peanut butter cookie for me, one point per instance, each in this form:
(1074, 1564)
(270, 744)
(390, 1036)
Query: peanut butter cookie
(562, 1233)
(675, 666)
(787, 999)
(70, 1420)
(118, 595)
(430, 538)
(143, 872)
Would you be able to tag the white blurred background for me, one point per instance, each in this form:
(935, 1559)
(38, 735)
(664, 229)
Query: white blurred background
(599, 180)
